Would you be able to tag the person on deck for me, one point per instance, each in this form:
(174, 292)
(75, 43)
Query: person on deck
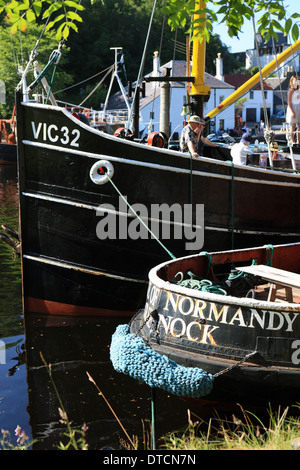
(192, 138)
(240, 150)
(293, 109)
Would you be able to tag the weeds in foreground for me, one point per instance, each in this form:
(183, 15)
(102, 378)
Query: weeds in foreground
(282, 432)
(76, 437)
(23, 442)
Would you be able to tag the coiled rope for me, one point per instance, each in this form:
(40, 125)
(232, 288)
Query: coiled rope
(236, 284)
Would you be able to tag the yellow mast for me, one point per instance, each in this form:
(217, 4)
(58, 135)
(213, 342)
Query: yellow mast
(199, 92)
(254, 80)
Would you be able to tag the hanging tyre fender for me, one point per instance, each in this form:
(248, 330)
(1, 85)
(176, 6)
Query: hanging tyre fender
(101, 172)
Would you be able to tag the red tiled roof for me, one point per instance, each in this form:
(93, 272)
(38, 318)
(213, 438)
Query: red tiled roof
(238, 80)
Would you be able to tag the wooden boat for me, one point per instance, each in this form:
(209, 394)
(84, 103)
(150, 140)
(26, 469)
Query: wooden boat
(68, 269)
(234, 316)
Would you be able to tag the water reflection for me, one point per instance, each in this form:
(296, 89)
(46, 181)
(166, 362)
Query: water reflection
(72, 347)
(75, 347)
(13, 386)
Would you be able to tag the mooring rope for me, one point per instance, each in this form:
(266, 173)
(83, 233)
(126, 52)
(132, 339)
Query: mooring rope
(140, 219)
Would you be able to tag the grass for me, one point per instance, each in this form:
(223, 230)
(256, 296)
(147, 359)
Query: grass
(280, 432)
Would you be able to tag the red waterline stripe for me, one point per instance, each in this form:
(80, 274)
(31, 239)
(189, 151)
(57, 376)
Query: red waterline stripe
(33, 305)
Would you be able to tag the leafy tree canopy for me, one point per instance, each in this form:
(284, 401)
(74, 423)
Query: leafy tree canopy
(15, 51)
(65, 15)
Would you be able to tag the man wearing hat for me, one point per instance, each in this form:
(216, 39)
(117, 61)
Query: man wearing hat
(240, 151)
(192, 138)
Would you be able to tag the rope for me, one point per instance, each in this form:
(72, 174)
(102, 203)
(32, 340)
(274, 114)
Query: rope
(53, 60)
(270, 249)
(238, 283)
(140, 219)
(141, 66)
(263, 94)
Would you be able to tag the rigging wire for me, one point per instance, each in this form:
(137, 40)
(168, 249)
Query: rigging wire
(97, 86)
(85, 80)
(141, 66)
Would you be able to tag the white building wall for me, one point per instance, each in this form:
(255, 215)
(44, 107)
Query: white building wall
(256, 103)
(227, 116)
(176, 105)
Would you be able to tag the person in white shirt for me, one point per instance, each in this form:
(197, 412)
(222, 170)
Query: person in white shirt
(293, 109)
(240, 151)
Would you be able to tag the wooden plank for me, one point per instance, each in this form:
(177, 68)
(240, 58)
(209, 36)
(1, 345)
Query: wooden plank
(274, 275)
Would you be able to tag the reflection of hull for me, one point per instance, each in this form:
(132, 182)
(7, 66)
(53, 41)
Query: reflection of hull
(68, 269)
(74, 347)
(213, 331)
(8, 154)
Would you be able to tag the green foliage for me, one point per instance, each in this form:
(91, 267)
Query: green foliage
(15, 53)
(62, 13)
(65, 15)
(109, 23)
(271, 16)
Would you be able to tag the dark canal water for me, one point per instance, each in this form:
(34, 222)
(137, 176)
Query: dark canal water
(73, 348)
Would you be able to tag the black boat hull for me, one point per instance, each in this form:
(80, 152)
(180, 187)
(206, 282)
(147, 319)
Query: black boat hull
(67, 268)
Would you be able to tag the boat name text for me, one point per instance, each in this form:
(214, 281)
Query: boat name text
(228, 315)
(52, 133)
(199, 321)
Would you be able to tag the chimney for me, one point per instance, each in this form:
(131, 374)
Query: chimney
(156, 65)
(219, 67)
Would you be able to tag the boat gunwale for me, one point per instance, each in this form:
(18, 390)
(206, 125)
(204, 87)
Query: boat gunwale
(243, 302)
(176, 153)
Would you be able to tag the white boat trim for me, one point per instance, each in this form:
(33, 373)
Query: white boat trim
(128, 214)
(217, 298)
(166, 167)
(65, 265)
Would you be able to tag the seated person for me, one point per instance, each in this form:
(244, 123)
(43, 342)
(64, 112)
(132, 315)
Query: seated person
(240, 150)
(274, 154)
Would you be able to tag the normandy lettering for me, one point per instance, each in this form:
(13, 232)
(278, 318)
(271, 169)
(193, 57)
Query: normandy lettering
(196, 308)
(198, 320)
(52, 133)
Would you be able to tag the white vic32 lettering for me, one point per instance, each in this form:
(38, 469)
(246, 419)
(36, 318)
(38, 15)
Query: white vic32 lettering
(54, 134)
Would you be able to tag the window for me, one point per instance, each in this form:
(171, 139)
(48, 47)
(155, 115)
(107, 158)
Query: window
(251, 95)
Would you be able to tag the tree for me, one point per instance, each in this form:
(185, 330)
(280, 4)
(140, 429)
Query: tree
(65, 15)
(14, 55)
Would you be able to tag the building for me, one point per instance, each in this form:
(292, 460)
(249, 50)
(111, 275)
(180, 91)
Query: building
(150, 117)
(150, 105)
(267, 51)
(256, 101)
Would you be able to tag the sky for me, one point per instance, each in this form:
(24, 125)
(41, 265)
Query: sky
(246, 38)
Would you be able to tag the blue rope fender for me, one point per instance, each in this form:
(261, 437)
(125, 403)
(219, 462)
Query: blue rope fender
(130, 355)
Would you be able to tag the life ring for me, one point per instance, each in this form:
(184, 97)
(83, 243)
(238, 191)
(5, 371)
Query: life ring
(101, 172)
(86, 112)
